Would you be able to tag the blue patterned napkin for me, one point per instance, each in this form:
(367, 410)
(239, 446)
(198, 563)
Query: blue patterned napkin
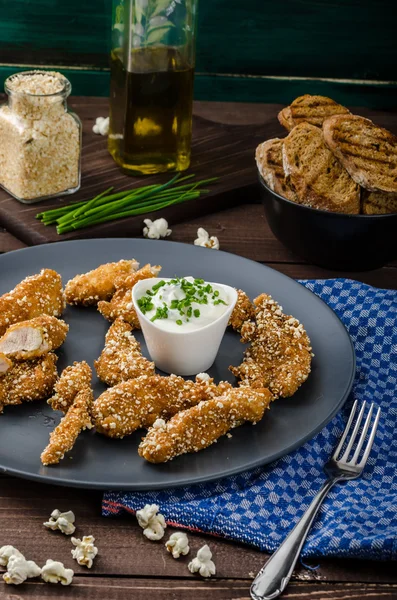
(260, 507)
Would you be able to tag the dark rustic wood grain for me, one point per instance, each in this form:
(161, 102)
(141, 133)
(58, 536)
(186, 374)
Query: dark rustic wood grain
(254, 50)
(124, 551)
(88, 588)
(223, 151)
(219, 149)
(9, 242)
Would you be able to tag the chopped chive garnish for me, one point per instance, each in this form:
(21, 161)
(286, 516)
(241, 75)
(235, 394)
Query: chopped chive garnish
(195, 292)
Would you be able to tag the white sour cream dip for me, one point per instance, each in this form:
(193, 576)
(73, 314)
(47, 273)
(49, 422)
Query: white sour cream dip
(183, 304)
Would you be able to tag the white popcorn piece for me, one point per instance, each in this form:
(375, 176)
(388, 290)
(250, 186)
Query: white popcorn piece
(101, 126)
(157, 229)
(202, 563)
(19, 570)
(178, 544)
(151, 521)
(62, 521)
(6, 552)
(204, 239)
(55, 572)
(202, 377)
(85, 551)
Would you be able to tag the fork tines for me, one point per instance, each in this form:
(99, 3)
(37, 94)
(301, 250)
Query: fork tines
(366, 434)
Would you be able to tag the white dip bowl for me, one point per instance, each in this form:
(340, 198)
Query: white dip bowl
(183, 352)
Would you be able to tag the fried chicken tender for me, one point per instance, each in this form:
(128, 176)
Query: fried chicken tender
(5, 364)
(28, 381)
(243, 311)
(121, 358)
(98, 284)
(72, 380)
(33, 338)
(198, 427)
(139, 402)
(36, 295)
(279, 356)
(63, 437)
(121, 303)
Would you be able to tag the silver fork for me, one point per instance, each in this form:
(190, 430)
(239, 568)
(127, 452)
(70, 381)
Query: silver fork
(274, 576)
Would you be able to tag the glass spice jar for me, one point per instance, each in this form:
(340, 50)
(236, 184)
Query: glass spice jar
(40, 139)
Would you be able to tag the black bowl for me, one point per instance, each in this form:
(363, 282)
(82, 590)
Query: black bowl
(331, 240)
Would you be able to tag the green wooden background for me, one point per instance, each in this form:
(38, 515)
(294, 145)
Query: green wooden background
(248, 50)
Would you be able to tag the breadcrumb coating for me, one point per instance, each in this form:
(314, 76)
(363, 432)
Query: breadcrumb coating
(121, 303)
(139, 402)
(28, 381)
(36, 295)
(279, 356)
(121, 358)
(72, 380)
(99, 284)
(33, 338)
(243, 311)
(198, 427)
(64, 436)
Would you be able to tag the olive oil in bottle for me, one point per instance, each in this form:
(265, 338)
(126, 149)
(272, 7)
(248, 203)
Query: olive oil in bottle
(150, 110)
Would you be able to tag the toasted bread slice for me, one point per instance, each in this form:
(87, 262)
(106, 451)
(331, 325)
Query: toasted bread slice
(310, 109)
(378, 203)
(368, 152)
(269, 159)
(285, 118)
(315, 174)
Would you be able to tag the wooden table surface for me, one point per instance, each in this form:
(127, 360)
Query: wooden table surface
(128, 565)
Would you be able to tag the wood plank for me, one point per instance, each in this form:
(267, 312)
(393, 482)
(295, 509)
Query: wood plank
(381, 278)
(9, 242)
(124, 551)
(240, 88)
(243, 230)
(310, 38)
(87, 588)
(219, 148)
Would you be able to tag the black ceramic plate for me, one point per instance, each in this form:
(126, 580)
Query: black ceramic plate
(98, 462)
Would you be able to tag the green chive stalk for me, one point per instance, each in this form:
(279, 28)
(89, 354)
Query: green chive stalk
(108, 206)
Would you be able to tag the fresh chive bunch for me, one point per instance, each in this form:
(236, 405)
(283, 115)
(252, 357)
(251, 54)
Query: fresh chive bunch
(195, 292)
(108, 207)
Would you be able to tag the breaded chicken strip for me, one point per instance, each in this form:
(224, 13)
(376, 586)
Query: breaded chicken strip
(139, 402)
(279, 356)
(36, 295)
(121, 303)
(198, 427)
(121, 358)
(28, 381)
(243, 311)
(65, 434)
(73, 379)
(5, 364)
(33, 338)
(89, 288)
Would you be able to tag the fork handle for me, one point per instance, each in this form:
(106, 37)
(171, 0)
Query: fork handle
(274, 576)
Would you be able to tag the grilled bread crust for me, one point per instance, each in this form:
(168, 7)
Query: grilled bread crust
(269, 159)
(310, 109)
(285, 118)
(368, 152)
(378, 203)
(315, 174)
